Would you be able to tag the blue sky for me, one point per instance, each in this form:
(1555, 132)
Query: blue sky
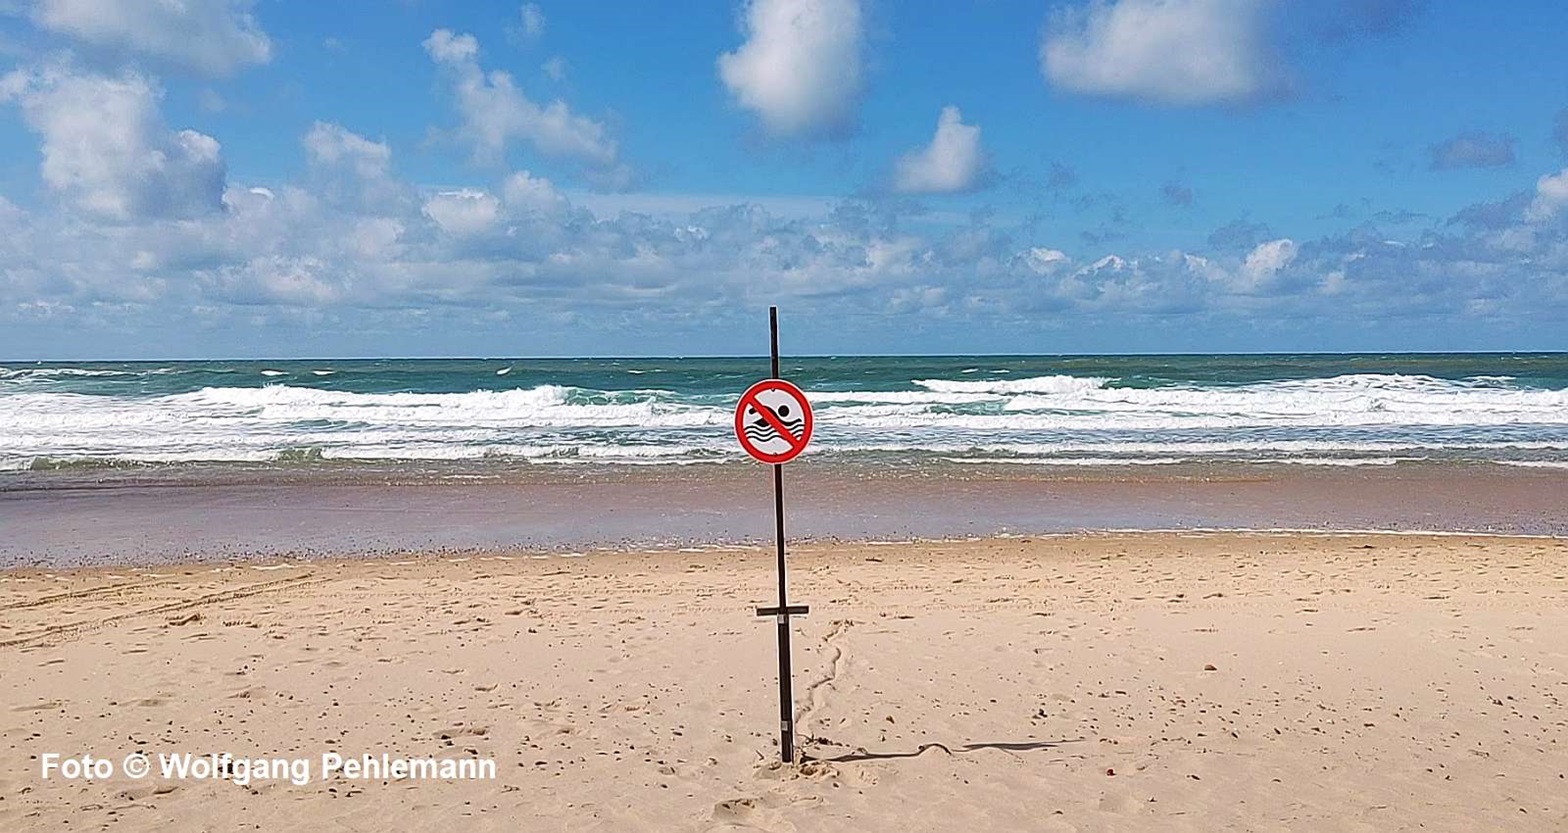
(276, 178)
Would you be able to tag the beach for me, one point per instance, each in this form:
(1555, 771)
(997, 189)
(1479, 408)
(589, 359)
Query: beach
(1046, 593)
(1108, 681)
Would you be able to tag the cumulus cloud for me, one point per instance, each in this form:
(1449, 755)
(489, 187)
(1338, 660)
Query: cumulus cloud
(215, 37)
(1473, 150)
(332, 144)
(349, 168)
(107, 150)
(799, 69)
(525, 192)
(448, 47)
(1043, 261)
(443, 261)
(495, 112)
(1175, 52)
(1551, 194)
(951, 163)
(464, 212)
(1162, 284)
(1265, 261)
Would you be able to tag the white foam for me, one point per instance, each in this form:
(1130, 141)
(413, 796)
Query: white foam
(54, 372)
(1037, 384)
(900, 397)
(1346, 420)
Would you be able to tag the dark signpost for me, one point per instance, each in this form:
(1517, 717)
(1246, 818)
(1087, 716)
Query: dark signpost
(773, 425)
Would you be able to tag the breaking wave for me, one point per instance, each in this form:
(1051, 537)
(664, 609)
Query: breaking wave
(77, 416)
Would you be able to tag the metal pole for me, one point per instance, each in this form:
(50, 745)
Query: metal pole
(786, 695)
(773, 334)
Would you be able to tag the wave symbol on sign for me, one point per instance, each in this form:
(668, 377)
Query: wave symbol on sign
(760, 430)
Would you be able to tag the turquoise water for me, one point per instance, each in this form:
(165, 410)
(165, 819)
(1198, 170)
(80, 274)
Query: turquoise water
(1358, 409)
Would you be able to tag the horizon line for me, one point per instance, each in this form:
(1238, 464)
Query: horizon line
(1174, 354)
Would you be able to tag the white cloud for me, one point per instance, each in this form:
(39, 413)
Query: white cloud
(799, 68)
(348, 168)
(1265, 261)
(1179, 52)
(447, 47)
(518, 247)
(680, 206)
(555, 68)
(524, 191)
(278, 279)
(215, 37)
(953, 162)
(533, 20)
(465, 212)
(107, 150)
(495, 112)
(1044, 261)
(332, 145)
(1551, 194)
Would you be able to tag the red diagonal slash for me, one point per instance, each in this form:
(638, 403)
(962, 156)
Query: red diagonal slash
(773, 420)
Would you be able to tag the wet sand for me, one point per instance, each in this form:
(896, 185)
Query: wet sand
(1155, 682)
(64, 519)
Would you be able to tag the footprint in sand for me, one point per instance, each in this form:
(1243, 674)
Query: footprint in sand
(736, 810)
(754, 813)
(45, 705)
(462, 731)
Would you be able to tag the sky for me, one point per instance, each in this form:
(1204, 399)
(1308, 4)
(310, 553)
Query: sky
(272, 178)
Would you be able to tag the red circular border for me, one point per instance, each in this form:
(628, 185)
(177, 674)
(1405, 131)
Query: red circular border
(740, 421)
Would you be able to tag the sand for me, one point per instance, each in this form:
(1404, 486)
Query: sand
(1153, 682)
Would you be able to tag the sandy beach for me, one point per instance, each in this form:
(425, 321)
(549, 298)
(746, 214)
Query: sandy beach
(1082, 682)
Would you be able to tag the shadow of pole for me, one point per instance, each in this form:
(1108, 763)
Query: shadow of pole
(861, 754)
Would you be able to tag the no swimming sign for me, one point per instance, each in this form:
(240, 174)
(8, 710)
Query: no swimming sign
(773, 421)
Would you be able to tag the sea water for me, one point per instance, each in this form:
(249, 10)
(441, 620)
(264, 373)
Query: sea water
(1338, 410)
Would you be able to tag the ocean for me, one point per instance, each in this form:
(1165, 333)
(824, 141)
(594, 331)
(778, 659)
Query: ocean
(1508, 409)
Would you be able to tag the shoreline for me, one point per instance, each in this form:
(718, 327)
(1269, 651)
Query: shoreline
(502, 470)
(134, 520)
(814, 547)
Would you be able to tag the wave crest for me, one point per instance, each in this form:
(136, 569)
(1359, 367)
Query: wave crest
(1036, 384)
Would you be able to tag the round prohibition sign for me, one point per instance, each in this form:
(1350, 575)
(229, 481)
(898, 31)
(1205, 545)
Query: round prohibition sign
(773, 421)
